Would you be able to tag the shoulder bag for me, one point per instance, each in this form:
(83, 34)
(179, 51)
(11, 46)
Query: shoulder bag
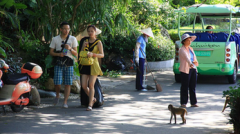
(84, 59)
(64, 61)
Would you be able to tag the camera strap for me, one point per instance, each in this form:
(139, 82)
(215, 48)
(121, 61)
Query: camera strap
(65, 43)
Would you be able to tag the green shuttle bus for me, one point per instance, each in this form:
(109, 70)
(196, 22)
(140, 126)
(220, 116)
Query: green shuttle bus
(217, 53)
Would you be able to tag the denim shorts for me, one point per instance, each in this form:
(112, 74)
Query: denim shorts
(63, 73)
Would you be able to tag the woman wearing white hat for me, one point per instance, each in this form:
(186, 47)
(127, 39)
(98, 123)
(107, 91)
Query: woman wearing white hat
(139, 56)
(188, 63)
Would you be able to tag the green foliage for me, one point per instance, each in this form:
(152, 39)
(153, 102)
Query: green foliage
(11, 3)
(2, 51)
(234, 104)
(153, 13)
(79, 14)
(48, 61)
(180, 3)
(231, 2)
(113, 74)
(160, 48)
(12, 21)
(32, 46)
(76, 69)
(120, 44)
(34, 52)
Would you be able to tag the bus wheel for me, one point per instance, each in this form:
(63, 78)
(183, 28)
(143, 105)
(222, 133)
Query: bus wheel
(178, 78)
(233, 78)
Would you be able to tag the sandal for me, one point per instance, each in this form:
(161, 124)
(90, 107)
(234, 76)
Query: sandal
(89, 108)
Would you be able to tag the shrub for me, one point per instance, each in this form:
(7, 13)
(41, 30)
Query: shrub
(120, 45)
(234, 104)
(152, 13)
(160, 48)
(33, 49)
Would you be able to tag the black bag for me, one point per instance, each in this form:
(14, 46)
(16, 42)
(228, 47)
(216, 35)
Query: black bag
(63, 61)
(98, 95)
(116, 63)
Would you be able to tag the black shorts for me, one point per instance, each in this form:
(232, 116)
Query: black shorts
(85, 70)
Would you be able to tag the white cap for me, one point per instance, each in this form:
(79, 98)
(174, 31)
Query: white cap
(148, 31)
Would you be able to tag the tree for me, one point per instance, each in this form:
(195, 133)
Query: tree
(44, 16)
(7, 16)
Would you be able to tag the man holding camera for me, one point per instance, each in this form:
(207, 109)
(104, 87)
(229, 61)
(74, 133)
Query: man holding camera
(65, 46)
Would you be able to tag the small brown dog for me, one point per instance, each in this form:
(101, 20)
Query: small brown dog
(226, 102)
(174, 111)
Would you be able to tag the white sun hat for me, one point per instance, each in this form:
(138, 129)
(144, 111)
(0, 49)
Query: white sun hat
(148, 31)
(185, 36)
(85, 33)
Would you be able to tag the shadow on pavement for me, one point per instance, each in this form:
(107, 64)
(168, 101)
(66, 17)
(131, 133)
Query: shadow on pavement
(127, 111)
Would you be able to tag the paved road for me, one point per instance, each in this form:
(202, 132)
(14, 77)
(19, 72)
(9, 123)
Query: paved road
(127, 111)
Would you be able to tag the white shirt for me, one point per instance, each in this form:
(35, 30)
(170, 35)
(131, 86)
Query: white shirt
(57, 42)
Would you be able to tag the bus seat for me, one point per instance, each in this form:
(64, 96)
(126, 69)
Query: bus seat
(237, 40)
(205, 37)
(221, 37)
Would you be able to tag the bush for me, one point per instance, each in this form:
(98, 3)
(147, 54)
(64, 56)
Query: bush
(33, 49)
(120, 45)
(234, 104)
(152, 13)
(174, 35)
(160, 49)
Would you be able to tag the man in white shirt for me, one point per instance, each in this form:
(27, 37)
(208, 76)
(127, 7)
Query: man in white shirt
(65, 70)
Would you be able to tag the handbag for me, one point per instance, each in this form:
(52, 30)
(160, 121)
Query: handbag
(63, 61)
(84, 59)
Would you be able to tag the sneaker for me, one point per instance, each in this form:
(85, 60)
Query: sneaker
(143, 90)
(65, 106)
(55, 101)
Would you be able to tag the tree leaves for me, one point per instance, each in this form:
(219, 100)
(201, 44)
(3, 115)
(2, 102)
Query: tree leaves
(2, 52)
(10, 3)
(48, 61)
(7, 3)
(19, 6)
